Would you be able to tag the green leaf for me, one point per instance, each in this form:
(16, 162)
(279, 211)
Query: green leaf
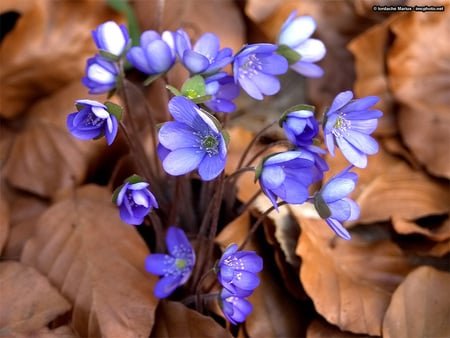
(114, 109)
(290, 54)
(109, 56)
(201, 99)
(226, 137)
(134, 179)
(194, 87)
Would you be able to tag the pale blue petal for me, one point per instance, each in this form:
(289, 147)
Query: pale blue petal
(311, 50)
(352, 154)
(166, 286)
(158, 264)
(272, 176)
(297, 31)
(267, 84)
(183, 160)
(208, 45)
(307, 69)
(337, 188)
(210, 167)
(174, 135)
(338, 228)
(176, 239)
(365, 143)
(340, 100)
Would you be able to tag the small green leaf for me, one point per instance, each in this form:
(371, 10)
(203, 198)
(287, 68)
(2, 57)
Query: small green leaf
(259, 167)
(114, 109)
(194, 87)
(290, 54)
(116, 194)
(109, 56)
(173, 90)
(321, 206)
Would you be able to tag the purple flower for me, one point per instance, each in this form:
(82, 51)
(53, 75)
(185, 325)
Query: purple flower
(111, 38)
(237, 270)
(205, 57)
(192, 141)
(349, 123)
(295, 34)
(101, 75)
(92, 121)
(135, 201)
(236, 309)
(254, 69)
(223, 90)
(300, 127)
(286, 175)
(175, 268)
(155, 55)
(332, 204)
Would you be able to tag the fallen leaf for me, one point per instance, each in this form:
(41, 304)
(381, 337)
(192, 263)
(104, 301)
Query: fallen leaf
(45, 158)
(97, 262)
(321, 329)
(369, 50)
(438, 233)
(421, 87)
(47, 48)
(420, 306)
(403, 192)
(25, 309)
(4, 216)
(173, 319)
(350, 282)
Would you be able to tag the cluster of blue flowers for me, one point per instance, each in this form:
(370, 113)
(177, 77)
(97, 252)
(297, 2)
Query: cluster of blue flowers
(194, 140)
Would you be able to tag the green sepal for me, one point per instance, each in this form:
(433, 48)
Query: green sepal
(173, 90)
(258, 169)
(194, 87)
(134, 179)
(114, 109)
(297, 107)
(79, 106)
(321, 206)
(201, 99)
(150, 79)
(109, 56)
(159, 126)
(226, 137)
(290, 54)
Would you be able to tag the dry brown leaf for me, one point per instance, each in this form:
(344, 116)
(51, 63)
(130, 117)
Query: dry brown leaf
(97, 262)
(350, 282)
(438, 233)
(422, 87)
(47, 48)
(45, 158)
(173, 319)
(28, 301)
(420, 306)
(369, 50)
(403, 192)
(321, 329)
(4, 216)
(25, 209)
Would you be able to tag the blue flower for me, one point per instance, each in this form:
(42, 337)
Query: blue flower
(235, 308)
(300, 127)
(205, 57)
(223, 90)
(156, 53)
(295, 33)
(286, 175)
(135, 201)
(254, 69)
(349, 123)
(192, 141)
(92, 121)
(332, 204)
(101, 75)
(175, 268)
(237, 270)
(111, 38)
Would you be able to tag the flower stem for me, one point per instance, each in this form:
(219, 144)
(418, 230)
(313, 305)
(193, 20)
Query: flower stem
(258, 223)
(252, 142)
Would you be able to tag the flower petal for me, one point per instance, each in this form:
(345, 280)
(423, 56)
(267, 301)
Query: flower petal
(297, 31)
(183, 160)
(338, 228)
(174, 135)
(210, 167)
(352, 154)
(159, 264)
(177, 240)
(336, 189)
(340, 100)
(166, 286)
(311, 50)
(307, 69)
